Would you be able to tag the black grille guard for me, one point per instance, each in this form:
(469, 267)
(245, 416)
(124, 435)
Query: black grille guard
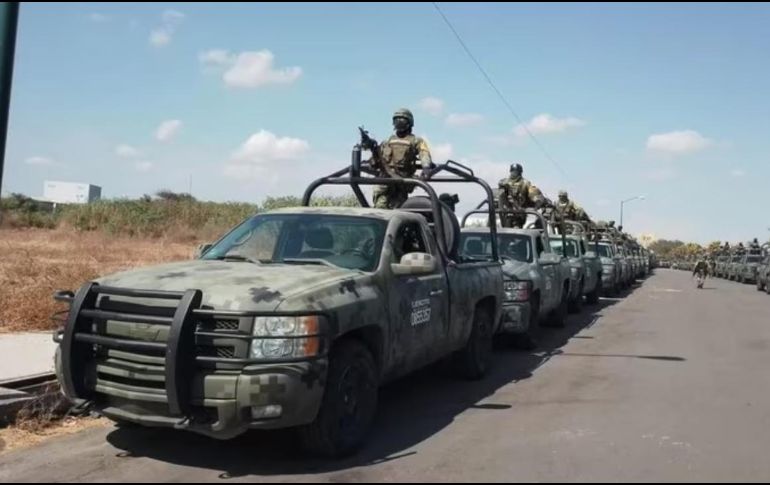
(77, 340)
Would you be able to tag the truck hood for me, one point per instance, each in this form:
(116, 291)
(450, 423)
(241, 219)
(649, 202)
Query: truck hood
(232, 285)
(516, 270)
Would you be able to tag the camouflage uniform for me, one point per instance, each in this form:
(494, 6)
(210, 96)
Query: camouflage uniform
(701, 267)
(399, 155)
(516, 192)
(570, 209)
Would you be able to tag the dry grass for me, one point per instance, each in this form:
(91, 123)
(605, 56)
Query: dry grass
(31, 433)
(36, 262)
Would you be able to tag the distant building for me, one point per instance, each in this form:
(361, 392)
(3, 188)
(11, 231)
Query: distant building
(71, 193)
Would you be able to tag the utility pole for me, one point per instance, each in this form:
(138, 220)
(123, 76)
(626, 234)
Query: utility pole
(9, 17)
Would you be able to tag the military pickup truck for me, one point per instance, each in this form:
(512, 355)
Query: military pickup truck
(611, 266)
(585, 266)
(536, 278)
(736, 258)
(291, 320)
(763, 272)
(720, 269)
(747, 270)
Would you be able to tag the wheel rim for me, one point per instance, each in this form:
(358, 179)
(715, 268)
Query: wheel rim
(352, 391)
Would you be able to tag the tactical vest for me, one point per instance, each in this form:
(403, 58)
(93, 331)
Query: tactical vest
(401, 154)
(518, 192)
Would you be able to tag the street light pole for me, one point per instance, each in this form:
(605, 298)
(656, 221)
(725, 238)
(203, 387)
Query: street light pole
(9, 16)
(623, 202)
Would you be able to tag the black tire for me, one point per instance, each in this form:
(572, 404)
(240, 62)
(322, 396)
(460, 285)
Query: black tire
(558, 316)
(767, 288)
(349, 403)
(576, 305)
(760, 285)
(593, 297)
(473, 361)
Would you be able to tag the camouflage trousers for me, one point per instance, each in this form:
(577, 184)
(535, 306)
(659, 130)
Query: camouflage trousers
(390, 196)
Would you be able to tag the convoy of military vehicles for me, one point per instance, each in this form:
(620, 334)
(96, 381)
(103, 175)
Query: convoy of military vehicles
(296, 317)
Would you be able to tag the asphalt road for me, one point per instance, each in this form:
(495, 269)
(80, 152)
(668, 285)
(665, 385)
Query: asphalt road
(669, 383)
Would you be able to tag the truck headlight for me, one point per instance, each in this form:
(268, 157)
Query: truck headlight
(286, 337)
(517, 291)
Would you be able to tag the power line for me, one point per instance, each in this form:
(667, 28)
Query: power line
(497, 91)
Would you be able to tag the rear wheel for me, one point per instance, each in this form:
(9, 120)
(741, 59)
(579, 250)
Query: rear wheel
(349, 403)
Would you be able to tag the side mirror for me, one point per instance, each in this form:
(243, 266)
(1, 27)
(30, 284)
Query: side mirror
(415, 264)
(202, 249)
(549, 259)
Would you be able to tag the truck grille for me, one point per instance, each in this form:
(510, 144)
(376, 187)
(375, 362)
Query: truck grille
(146, 345)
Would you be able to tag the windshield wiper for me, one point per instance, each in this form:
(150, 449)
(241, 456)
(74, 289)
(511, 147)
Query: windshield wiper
(237, 257)
(318, 261)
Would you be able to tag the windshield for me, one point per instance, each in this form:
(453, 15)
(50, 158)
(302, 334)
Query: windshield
(343, 241)
(517, 247)
(572, 248)
(605, 251)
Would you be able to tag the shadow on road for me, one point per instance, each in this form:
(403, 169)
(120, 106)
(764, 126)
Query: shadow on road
(411, 410)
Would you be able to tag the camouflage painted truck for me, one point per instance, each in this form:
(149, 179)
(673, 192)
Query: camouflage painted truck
(536, 279)
(585, 266)
(292, 320)
(763, 271)
(748, 269)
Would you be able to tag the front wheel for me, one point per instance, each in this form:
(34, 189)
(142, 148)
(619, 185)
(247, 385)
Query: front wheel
(349, 403)
(576, 305)
(593, 297)
(559, 315)
(474, 359)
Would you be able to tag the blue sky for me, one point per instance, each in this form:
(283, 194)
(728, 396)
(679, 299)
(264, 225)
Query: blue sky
(670, 101)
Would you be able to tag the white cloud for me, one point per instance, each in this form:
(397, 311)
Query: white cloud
(143, 166)
(738, 172)
(252, 69)
(172, 17)
(464, 119)
(98, 17)
(264, 153)
(678, 142)
(162, 35)
(432, 106)
(168, 130)
(442, 152)
(544, 123)
(126, 151)
(216, 57)
(40, 161)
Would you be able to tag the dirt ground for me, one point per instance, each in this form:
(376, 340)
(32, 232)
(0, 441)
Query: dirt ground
(36, 262)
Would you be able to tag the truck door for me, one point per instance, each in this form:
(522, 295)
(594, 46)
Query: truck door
(418, 304)
(551, 295)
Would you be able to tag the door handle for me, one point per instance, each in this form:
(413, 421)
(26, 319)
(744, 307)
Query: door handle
(436, 293)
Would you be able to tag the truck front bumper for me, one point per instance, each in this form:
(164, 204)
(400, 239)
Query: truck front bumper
(516, 318)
